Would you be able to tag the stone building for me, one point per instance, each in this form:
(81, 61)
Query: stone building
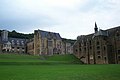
(30, 46)
(101, 47)
(67, 46)
(47, 43)
(13, 45)
(0, 47)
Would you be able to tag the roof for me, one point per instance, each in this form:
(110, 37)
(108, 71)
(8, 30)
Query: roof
(112, 31)
(3, 42)
(101, 33)
(15, 40)
(46, 34)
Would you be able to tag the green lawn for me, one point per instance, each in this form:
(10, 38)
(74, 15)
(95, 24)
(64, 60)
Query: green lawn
(53, 71)
(18, 58)
(30, 59)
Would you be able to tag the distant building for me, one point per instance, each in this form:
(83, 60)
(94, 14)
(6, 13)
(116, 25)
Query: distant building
(14, 45)
(47, 43)
(67, 46)
(101, 47)
(0, 46)
(30, 46)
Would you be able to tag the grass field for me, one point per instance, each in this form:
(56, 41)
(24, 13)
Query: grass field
(53, 71)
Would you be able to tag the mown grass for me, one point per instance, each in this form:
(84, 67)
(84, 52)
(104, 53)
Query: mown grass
(63, 58)
(53, 71)
(18, 58)
(60, 72)
(30, 59)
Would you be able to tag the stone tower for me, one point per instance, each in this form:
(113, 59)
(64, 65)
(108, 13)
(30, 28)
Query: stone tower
(4, 35)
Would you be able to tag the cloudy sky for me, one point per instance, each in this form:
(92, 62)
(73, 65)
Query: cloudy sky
(70, 18)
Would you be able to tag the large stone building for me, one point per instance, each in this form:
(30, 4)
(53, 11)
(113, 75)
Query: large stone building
(101, 47)
(9, 44)
(43, 43)
(47, 43)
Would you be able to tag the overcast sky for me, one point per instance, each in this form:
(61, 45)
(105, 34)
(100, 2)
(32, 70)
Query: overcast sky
(70, 18)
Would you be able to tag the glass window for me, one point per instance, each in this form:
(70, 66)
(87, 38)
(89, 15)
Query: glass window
(119, 52)
(99, 57)
(117, 34)
(98, 47)
(84, 43)
(79, 44)
(105, 58)
(98, 52)
(104, 48)
(76, 50)
(80, 49)
(85, 49)
(97, 43)
(90, 42)
(119, 58)
(49, 43)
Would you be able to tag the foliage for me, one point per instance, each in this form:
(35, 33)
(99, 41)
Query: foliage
(15, 34)
(68, 40)
(67, 57)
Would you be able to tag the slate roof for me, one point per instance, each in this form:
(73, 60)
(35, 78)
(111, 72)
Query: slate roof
(46, 34)
(101, 33)
(15, 40)
(3, 42)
